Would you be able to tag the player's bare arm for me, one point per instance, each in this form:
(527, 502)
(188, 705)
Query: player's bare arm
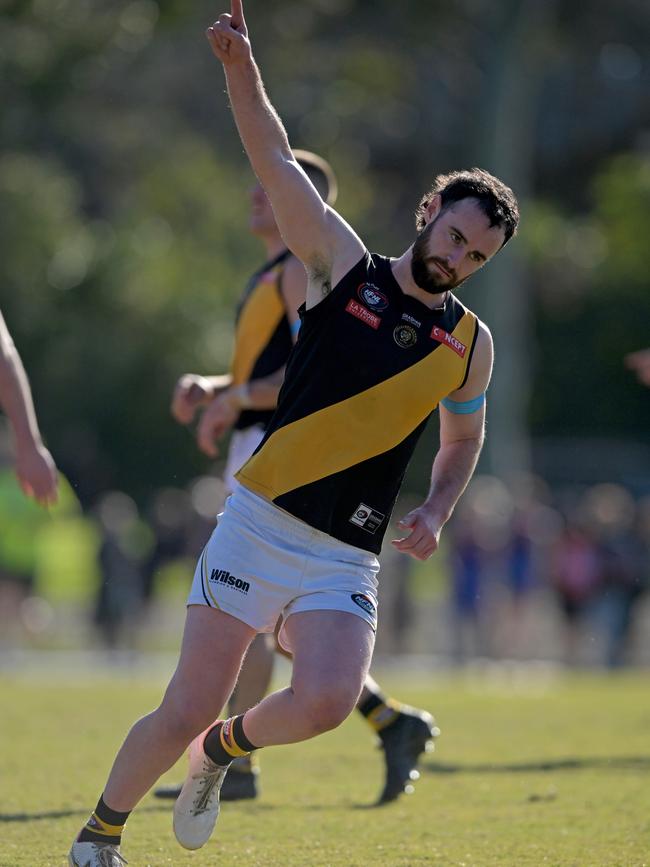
(461, 439)
(221, 413)
(312, 230)
(35, 467)
(193, 391)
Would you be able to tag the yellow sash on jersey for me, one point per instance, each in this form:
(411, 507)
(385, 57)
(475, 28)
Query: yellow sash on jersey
(362, 426)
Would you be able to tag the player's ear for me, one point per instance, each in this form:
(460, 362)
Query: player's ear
(433, 208)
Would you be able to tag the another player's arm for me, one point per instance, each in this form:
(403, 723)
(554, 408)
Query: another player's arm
(193, 391)
(312, 230)
(462, 431)
(222, 413)
(35, 467)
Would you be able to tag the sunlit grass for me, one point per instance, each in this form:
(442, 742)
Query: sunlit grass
(532, 769)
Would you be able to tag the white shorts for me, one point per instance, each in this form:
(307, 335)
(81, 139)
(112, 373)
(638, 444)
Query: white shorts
(262, 564)
(242, 445)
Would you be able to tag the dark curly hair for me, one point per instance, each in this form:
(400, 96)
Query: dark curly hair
(496, 200)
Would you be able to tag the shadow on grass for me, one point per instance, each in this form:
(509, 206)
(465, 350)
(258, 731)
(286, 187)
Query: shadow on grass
(65, 814)
(615, 763)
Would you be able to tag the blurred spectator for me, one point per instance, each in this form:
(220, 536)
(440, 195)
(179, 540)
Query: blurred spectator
(623, 554)
(576, 575)
(21, 521)
(126, 542)
(466, 567)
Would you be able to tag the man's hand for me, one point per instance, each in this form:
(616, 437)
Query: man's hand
(36, 472)
(228, 37)
(217, 418)
(424, 534)
(639, 362)
(191, 392)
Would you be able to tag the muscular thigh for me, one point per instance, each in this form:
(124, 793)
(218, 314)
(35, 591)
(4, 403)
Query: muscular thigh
(214, 644)
(330, 649)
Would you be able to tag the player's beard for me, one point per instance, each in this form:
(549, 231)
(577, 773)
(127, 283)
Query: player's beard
(421, 266)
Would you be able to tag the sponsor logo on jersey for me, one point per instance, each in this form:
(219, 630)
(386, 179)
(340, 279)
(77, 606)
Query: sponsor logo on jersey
(372, 297)
(405, 336)
(364, 602)
(449, 340)
(366, 518)
(363, 314)
(408, 318)
(223, 576)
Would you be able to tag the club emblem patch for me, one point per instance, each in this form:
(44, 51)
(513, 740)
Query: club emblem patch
(405, 336)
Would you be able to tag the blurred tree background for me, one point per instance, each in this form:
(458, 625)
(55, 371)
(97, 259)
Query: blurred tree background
(123, 206)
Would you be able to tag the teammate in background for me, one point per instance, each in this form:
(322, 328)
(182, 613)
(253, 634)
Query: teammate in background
(244, 399)
(382, 343)
(35, 467)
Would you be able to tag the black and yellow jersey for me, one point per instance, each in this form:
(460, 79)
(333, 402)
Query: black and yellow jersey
(370, 366)
(262, 333)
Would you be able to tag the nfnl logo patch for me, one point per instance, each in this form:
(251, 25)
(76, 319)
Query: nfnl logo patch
(372, 297)
(364, 602)
(449, 340)
(363, 314)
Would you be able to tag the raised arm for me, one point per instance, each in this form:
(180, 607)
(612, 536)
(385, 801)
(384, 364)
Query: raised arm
(35, 468)
(313, 231)
(462, 429)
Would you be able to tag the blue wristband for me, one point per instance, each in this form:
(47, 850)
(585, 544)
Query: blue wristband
(463, 407)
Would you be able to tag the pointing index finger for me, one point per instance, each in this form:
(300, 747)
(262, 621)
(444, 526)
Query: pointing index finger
(237, 13)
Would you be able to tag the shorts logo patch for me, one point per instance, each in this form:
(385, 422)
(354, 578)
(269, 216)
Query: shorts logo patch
(364, 602)
(363, 313)
(223, 576)
(368, 519)
(405, 336)
(372, 297)
(449, 340)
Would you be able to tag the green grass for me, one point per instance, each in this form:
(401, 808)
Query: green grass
(530, 770)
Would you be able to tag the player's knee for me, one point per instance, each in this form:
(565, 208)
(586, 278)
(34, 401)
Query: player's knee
(184, 721)
(327, 707)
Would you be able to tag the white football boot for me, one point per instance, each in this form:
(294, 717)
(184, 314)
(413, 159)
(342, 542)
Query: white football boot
(95, 855)
(197, 807)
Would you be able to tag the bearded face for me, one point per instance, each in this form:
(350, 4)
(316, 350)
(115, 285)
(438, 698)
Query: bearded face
(431, 272)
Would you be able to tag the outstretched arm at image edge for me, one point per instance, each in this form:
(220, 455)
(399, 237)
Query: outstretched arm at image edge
(35, 468)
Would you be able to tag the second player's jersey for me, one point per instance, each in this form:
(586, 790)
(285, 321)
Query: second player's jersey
(369, 367)
(262, 334)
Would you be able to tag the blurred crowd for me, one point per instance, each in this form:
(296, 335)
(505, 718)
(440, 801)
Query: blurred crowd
(513, 550)
(524, 571)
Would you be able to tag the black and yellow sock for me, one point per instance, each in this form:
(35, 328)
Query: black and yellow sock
(104, 826)
(226, 741)
(380, 711)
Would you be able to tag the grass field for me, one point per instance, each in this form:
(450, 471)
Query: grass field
(531, 769)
